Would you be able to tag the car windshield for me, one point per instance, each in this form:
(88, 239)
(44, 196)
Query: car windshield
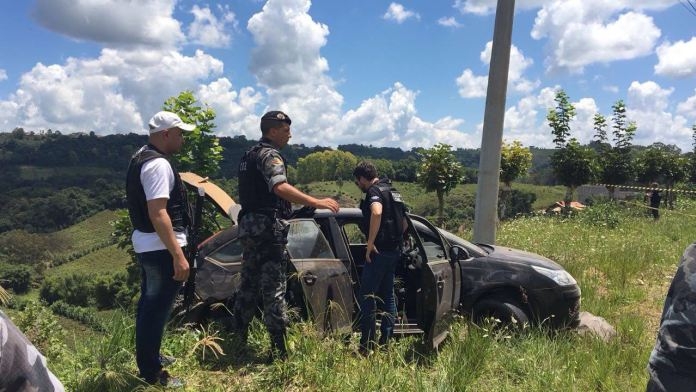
(474, 250)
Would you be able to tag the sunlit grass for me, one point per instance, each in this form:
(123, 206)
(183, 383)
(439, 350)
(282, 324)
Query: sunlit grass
(622, 259)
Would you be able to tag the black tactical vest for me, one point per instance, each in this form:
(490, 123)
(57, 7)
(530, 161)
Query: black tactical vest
(254, 195)
(390, 235)
(177, 205)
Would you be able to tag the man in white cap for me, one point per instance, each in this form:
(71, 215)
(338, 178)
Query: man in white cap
(159, 212)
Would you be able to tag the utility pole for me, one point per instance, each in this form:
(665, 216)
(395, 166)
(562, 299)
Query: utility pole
(486, 215)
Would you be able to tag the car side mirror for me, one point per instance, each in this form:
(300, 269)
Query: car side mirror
(458, 253)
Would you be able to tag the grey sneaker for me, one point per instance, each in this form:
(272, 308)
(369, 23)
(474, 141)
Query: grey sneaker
(166, 360)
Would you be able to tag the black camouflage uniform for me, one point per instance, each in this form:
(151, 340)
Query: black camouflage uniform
(263, 233)
(22, 367)
(672, 363)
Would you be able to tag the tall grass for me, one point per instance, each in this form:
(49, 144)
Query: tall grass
(622, 259)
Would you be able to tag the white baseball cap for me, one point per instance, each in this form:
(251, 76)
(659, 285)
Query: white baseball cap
(167, 120)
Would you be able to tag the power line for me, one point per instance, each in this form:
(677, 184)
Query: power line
(689, 5)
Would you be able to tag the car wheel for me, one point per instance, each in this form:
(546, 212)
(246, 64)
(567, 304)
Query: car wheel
(508, 311)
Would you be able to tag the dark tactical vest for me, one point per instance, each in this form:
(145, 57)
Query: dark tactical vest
(177, 205)
(254, 195)
(390, 235)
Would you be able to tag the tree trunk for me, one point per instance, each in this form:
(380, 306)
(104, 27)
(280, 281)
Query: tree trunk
(567, 200)
(441, 208)
(506, 193)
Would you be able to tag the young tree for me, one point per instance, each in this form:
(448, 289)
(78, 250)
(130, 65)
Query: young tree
(559, 119)
(616, 165)
(515, 161)
(573, 165)
(439, 172)
(201, 152)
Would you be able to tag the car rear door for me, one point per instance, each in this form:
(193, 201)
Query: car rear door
(440, 282)
(325, 280)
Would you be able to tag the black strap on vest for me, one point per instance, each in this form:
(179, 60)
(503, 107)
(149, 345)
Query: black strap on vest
(254, 195)
(178, 207)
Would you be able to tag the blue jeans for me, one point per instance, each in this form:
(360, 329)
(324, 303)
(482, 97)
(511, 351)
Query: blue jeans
(377, 287)
(158, 291)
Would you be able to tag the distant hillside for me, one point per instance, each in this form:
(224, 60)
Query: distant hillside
(52, 180)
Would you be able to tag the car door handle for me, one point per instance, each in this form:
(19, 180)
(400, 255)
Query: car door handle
(309, 279)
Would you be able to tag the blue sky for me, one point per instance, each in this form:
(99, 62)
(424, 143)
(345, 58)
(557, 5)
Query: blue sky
(402, 74)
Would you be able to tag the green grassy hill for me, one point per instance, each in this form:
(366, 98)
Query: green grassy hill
(107, 260)
(93, 232)
(622, 259)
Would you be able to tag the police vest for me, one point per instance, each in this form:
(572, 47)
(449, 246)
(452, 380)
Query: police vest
(177, 205)
(391, 228)
(254, 195)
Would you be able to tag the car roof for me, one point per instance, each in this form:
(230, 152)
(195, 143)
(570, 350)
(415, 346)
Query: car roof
(344, 212)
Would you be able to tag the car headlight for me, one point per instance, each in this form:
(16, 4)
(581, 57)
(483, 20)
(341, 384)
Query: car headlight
(561, 277)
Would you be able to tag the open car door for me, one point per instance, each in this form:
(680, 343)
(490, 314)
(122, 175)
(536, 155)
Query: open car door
(440, 281)
(324, 280)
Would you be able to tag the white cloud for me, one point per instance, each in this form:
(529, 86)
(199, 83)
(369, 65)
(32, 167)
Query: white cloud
(399, 14)
(522, 119)
(449, 22)
(677, 60)
(526, 120)
(611, 89)
(390, 118)
(291, 67)
(294, 75)
(688, 107)
(209, 30)
(114, 92)
(518, 65)
(647, 104)
(113, 22)
(472, 86)
(583, 123)
(3, 74)
(119, 89)
(581, 33)
(235, 111)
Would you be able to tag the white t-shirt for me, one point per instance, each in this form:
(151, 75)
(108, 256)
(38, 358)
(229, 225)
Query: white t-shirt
(157, 178)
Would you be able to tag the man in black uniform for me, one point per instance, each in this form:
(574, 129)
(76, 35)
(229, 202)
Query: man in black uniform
(265, 196)
(22, 366)
(655, 198)
(672, 363)
(384, 223)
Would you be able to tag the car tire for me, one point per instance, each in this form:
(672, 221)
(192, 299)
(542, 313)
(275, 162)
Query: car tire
(507, 310)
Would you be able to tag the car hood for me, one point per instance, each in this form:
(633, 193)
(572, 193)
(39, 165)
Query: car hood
(510, 255)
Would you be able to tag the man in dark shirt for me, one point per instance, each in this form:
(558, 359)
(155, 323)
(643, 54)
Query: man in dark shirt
(655, 198)
(672, 363)
(383, 226)
(22, 367)
(265, 196)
